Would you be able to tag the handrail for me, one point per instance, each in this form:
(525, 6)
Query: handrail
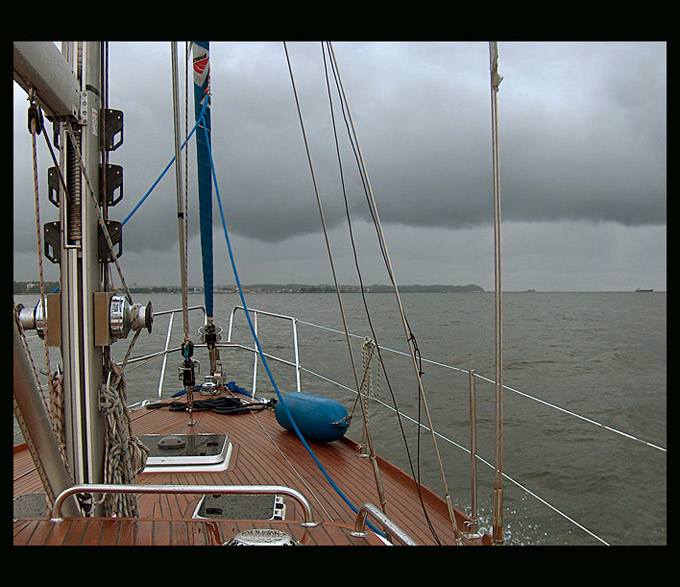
(298, 367)
(186, 489)
(392, 530)
(293, 321)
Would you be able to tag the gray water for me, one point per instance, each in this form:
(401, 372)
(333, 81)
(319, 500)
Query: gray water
(600, 356)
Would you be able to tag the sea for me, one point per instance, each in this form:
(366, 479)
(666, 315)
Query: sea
(584, 402)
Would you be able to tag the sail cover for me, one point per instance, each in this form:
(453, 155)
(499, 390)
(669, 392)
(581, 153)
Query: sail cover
(201, 65)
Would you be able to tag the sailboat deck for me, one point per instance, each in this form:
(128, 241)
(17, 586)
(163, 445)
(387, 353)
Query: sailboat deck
(263, 453)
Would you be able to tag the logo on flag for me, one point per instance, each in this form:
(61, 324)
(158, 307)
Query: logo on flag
(201, 68)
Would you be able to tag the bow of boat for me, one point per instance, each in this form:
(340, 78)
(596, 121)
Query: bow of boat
(175, 506)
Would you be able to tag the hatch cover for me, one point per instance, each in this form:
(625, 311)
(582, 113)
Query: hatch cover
(186, 450)
(242, 506)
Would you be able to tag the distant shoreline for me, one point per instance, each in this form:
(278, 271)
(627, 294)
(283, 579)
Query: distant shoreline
(33, 287)
(29, 287)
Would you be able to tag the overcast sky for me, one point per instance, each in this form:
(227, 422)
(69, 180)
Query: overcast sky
(582, 131)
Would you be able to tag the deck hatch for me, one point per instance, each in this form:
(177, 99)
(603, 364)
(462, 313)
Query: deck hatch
(185, 450)
(241, 506)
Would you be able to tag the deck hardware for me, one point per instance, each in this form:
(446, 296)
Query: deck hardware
(113, 128)
(210, 335)
(53, 185)
(115, 230)
(241, 506)
(84, 113)
(187, 375)
(33, 318)
(187, 370)
(171, 442)
(387, 524)
(262, 537)
(114, 182)
(209, 386)
(44, 316)
(189, 452)
(52, 240)
(124, 316)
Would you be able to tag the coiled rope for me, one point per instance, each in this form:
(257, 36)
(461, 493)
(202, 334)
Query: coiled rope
(125, 454)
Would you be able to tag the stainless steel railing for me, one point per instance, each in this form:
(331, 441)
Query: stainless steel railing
(185, 489)
(391, 529)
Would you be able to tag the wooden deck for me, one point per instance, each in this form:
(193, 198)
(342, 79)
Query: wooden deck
(263, 453)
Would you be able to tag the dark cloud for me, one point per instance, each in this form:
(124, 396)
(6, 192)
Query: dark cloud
(584, 141)
(582, 134)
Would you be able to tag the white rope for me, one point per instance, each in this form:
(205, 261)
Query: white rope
(126, 455)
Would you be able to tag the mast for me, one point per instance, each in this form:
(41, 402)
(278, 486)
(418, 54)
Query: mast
(85, 317)
(80, 271)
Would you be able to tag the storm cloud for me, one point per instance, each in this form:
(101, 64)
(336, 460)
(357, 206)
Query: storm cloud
(582, 131)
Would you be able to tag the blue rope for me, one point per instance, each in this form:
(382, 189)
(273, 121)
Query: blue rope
(205, 216)
(261, 353)
(155, 183)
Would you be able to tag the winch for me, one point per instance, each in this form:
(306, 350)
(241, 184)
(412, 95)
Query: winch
(262, 537)
(125, 316)
(33, 318)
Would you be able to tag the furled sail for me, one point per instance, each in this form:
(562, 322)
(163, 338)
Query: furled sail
(201, 65)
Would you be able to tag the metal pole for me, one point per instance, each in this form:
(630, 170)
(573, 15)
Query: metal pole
(473, 454)
(297, 354)
(81, 273)
(255, 356)
(69, 87)
(388, 525)
(180, 183)
(165, 356)
(187, 490)
(35, 424)
(498, 487)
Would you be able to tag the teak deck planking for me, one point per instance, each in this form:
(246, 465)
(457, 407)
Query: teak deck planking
(263, 453)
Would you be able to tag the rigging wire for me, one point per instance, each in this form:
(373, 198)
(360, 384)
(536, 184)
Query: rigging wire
(259, 346)
(381, 493)
(181, 210)
(336, 76)
(187, 49)
(407, 330)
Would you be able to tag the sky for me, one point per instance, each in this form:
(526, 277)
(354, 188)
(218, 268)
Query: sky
(582, 145)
